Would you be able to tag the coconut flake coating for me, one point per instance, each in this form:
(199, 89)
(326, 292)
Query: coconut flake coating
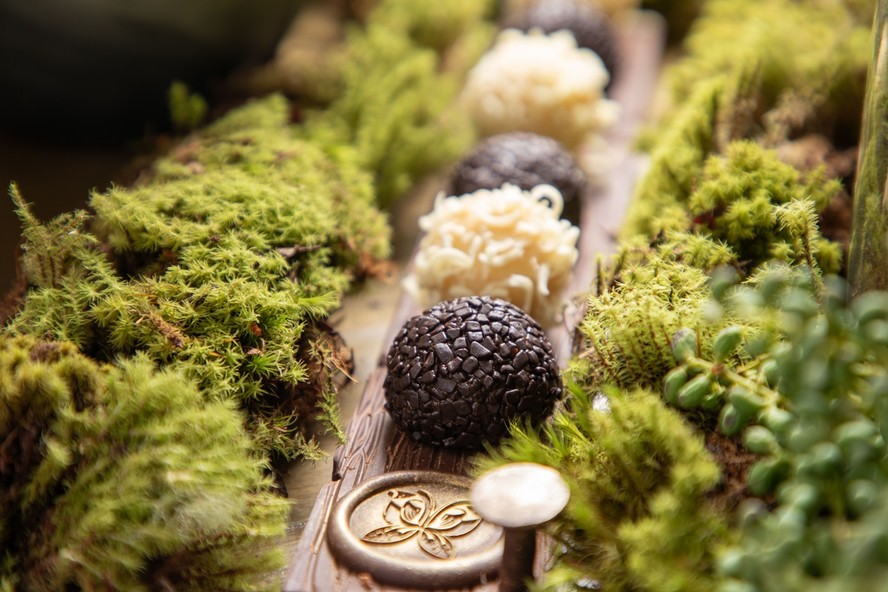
(461, 371)
(590, 26)
(539, 83)
(504, 243)
(523, 159)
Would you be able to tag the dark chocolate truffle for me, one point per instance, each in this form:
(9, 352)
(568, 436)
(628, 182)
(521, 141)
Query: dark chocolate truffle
(463, 369)
(590, 26)
(526, 160)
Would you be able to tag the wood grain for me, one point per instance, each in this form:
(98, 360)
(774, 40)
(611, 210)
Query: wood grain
(374, 446)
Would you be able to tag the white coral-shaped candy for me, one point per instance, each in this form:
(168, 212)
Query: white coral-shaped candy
(539, 83)
(504, 243)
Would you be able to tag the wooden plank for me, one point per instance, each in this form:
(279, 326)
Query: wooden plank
(374, 445)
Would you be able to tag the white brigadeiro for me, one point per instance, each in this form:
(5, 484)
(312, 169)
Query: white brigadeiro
(540, 83)
(503, 243)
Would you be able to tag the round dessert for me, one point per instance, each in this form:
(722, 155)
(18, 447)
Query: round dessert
(526, 160)
(590, 26)
(504, 243)
(461, 371)
(540, 83)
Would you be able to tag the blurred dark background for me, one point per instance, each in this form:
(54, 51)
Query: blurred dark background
(85, 82)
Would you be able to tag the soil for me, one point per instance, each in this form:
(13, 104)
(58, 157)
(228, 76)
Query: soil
(734, 461)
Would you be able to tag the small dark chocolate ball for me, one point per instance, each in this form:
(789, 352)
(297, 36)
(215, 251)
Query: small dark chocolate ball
(591, 27)
(526, 160)
(461, 371)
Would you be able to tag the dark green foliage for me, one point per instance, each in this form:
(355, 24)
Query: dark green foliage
(826, 460)
(221, 265)
(638, 518)
(396, 107)
(126, 478)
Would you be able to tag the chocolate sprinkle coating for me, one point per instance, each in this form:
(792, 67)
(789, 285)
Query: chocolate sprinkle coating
(590, 26)
(526, 160)
(461, 371)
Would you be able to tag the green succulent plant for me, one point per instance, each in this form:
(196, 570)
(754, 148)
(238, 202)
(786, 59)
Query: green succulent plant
(812, 403)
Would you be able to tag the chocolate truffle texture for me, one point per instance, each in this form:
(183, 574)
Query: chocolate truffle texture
(526, 160)
(590, 26)
(463, 369)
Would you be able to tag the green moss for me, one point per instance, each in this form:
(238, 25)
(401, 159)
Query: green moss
(638, 517)
(222, 265)
(187, 110)
(800, 377)
(761, 71)
(762, 208)
(145, 483)
(278, 191)
(627, 331)
(676, 162)
(757, 207)
(805, 56)
(431, 24)
(396, 107)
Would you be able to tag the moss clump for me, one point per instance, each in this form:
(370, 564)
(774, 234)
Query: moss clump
(279, 191)
(791, 71)
(187, 110)
(677, 159)
(126, 478)
(627, 331)
(763, 209)
(802, 64)
(431, 24)
(758, 207)
(638, 516)
(396, 106)
(223, 266)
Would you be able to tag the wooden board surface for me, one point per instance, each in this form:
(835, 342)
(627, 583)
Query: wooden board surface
(374, 445)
